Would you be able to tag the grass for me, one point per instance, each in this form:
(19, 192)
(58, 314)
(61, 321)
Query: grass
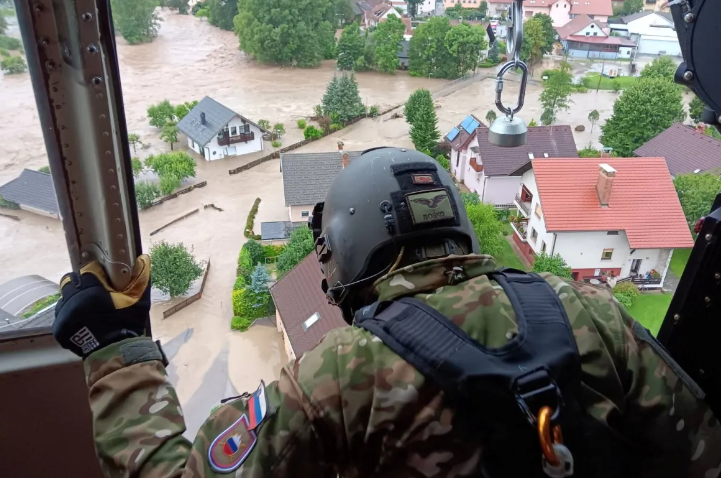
(40, 305)
(7, 12)
(679, 260)
(507, 257)
(650, 309)
(590, 81)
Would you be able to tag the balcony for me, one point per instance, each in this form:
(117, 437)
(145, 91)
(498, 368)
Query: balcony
(520, 228)
(642, 281)
(240, 138)
(524, 206)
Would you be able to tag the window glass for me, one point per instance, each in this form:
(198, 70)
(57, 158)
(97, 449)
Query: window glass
(233, 130)
(607, 254)
(304, 213)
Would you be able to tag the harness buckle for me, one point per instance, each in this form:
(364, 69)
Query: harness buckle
(537, 389)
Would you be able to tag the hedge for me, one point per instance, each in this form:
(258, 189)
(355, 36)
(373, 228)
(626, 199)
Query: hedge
(273, 251)
(246, 304)
(240, 283)
(251, 220)
(250, 255)
(626, 293)
(240, 323)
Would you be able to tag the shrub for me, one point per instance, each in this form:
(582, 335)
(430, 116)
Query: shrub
(13, 64)
(9, 43)
(8, 204)
(272, 251)
(145, 194)
(555, 264)
(250, 305)
(317, 111)
(277, 144)
(137, 166)
(443, 161)
(251, 220)
(335, 127)
(374, 111)
(470, 199)
(4, 52)
(168, 184)
(301, 123)
(44, 169)
(626, 293)
(264, 124)
(240, 324)
(312, 133)
(40, 305)
(240, 283)
(174, 268)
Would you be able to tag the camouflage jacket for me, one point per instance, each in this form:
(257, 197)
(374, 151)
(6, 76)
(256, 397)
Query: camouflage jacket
(353, 407)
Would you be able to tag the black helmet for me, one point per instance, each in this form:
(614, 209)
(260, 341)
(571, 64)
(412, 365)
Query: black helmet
(385, 199)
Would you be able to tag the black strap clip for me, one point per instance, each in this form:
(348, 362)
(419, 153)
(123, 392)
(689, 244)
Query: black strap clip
(536, 389)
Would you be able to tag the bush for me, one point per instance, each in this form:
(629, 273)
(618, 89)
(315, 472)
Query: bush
(554, 264)
(44, 169)
(312, 133)
(250, 305)
(240, 323)
(174, 268)
(40, 305)
(626, 293)
(277, 144)
(13, 64)
(272, 251)
(443, 161)
(251, 220)
(301, 123)
(335, 126)
(503, 214)
(264, 124)
(4, 52)
(240, 283)
(298, 247)
(374, 111)
(470, 199)
(9, 43)
(145, 194)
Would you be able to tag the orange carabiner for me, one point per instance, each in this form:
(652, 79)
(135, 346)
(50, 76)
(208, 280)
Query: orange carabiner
(544, 436)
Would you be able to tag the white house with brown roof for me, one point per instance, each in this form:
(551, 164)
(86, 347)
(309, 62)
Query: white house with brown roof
(492, 171)
(609, 218)
(563, 11)
(584, 37)
(654, 32)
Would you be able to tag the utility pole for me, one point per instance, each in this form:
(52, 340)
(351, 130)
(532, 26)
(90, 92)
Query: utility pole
(603, 64)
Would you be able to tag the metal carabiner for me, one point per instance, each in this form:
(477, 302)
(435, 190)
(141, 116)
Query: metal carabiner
(544, 436)
(521, 92)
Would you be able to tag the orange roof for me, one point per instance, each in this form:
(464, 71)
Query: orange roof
(643, 200)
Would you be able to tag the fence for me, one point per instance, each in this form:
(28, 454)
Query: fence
(152, 233)
(178, 193)
(189, 300)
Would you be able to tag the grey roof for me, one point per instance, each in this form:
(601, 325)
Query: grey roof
(44, 318)
(684, 148)
(34, 189)
(629, 18)
(308, 176)
(277, 230)
(555, 141)
(216, 117)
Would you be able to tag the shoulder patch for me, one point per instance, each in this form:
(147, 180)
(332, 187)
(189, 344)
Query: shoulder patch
(230, 449)
(257, 407)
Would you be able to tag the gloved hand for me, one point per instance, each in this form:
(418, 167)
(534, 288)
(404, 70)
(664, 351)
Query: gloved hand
(91, 314)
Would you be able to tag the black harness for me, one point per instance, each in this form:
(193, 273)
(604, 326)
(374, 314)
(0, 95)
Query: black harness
(499, 392)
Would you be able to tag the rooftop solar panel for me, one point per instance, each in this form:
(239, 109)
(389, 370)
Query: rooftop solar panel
(452, 135)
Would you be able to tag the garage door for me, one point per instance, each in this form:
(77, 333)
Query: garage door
(663, 47)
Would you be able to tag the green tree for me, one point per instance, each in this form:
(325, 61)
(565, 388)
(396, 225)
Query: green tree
(549, 33)
(283, 31)
(493, 53)
(171, 168)
(554, 264)
(428, 54)
(465, 44)
(387, 40)
(136, 20)
(174, 268)
(137, 167)
(311, 132)
(534, 40)
(145, 194)
(251, 254)
(182, 110)
(589, 152)
(645, 109)
(13, 65)
(532, 123)
(134, 140)
(695, 109)
(342, 100)
(490, 116)
(696, 192)
(413, 7)
(3, 25)
(424, 131)
(170, 133)
(279, 129)
(593, 117)
(161, 113)
(202, 12)
(350, 47)
(662, 67)
(419, 100)
(180, 5)
(264, 124)
(326, 41)
(556, 94)
(199, 5)
(629, 7)
(487, 227)
(299, 246)
(483, 7)
(470, 199)
(221, 13)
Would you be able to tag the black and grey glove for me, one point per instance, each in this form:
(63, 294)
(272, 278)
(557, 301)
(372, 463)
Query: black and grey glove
(91, 314)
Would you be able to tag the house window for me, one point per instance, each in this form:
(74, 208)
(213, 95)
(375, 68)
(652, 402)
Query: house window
(612, 233)
(607, 254)
(304, 213)
(534, 234)
(595, 33)
(233, 130)
(310, 321)
(246, 128)
(556, 5)
(538, 211)
(588, 33)
(543, 246)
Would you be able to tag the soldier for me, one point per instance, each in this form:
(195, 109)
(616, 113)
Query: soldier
(454, 368)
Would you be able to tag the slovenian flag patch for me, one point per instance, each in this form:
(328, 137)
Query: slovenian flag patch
(257, 407)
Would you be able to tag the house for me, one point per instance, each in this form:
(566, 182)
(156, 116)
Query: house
(278, 232)
(656, 6)
(307, 178)
(32, 191)
(399, 4)
(686, 150)
(498, 7)
(563, 11)
(370, 12)
(653, 32)
(404, 59)
(493, 171)
(215, 131)
(584, 37)
(607, 217)
(303, 314)
(430, 7)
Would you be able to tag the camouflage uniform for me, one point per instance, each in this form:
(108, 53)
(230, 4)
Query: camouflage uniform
(353, 407)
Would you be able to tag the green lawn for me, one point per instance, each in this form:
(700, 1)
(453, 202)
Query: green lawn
(679, 260)
(590, 81)
(507, 257)
(650, 309)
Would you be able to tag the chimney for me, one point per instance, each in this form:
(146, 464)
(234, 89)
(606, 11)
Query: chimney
(701, 128)
(345, 160)
(202, 118)
(605, 182)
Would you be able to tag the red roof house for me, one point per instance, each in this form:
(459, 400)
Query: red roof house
(607, 217)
